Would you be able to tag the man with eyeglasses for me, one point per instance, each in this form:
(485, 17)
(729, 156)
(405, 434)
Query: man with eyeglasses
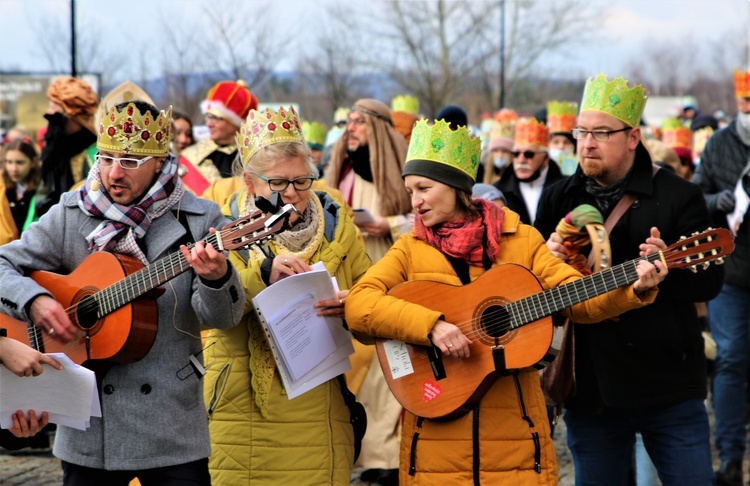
(724, 176)
(225, 108)
(646, 370)
(153, 423)
(366, 167)
(532, 172)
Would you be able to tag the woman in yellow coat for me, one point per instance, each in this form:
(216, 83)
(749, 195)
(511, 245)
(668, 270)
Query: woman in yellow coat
(259, 435)
(505, 438)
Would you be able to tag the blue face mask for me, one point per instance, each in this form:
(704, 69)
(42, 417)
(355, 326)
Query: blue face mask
(557, 154)
(500, 161)
(744, 120)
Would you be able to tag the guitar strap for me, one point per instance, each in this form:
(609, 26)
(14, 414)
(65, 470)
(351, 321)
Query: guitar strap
(188, 237)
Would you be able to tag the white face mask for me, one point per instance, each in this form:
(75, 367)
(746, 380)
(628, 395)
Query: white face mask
(500, 161)
(558, 154)
(744, 120)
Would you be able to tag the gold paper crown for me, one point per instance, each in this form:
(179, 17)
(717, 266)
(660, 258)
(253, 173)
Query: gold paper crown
(438, 143)
(341, 115)
(315, 134)
(134, 133)
(502, 130)
(267, 128)
(405, 103)
(506, 115)
(675, 135)
(700, 138)
(742, 84)
(531, 132)
(614, 98)
(562, 116)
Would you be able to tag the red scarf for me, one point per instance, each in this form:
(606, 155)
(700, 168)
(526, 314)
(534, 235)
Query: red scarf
(464, 238)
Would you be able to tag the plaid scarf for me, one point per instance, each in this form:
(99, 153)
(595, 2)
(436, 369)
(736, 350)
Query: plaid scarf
(123, 224)
(464, 238)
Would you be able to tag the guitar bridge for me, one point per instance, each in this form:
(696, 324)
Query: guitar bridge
(498, 356)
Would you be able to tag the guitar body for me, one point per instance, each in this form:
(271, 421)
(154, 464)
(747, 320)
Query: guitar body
(474, 308)
(123, 336)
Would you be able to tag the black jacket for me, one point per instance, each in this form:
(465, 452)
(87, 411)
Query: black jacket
(509, 185)
(722, 162)
(651, 356)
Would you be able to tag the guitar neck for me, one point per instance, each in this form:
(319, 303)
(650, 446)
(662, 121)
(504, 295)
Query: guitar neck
(148, 278)
(546, 303)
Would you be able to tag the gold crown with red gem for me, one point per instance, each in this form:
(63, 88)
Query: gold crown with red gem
(134, 133)
(742, 83)
(529, 131)
(264, 128)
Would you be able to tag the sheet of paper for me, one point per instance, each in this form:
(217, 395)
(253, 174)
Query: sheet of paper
(69, 395)
(735, 218)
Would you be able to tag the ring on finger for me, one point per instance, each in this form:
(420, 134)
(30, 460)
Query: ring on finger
(51, 331)
(341, 302)
(450, 345)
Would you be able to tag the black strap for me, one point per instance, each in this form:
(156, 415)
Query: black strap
(357, 416)
(188, 237)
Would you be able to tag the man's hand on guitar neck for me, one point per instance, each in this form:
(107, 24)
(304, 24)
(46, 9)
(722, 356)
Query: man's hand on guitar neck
(205, 260)
(48, 315)
(650, 274)
(450, 340)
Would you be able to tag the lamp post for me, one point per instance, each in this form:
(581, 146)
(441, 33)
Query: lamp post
(502, 55)
(73, 70)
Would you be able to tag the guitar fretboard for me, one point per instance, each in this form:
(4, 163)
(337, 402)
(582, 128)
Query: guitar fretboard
(546, 303)
(146, 279)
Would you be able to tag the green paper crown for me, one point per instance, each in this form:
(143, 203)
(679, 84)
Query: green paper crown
(438, 143)
(671, 123)
(405, 103)
(614, 98)
(314, 133)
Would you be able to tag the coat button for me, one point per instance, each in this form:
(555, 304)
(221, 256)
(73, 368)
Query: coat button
(146, 389)
(109, 389)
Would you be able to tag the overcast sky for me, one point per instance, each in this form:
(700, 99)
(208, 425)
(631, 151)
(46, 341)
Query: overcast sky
(627, 24)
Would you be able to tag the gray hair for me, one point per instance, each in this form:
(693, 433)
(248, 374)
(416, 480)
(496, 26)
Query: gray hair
(264, 158)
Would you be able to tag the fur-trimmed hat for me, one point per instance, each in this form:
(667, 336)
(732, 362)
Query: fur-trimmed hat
(230, 100)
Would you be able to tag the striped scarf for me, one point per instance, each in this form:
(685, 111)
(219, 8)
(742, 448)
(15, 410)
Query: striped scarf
(123, 224)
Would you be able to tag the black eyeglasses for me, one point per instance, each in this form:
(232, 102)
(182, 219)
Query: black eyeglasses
(280, 185)
(600, 135)
(528, 154)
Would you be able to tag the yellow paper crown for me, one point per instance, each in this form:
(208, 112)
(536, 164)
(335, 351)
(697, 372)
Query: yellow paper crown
(267, 128)
(341, 115)
(438, 143)
(315, 134)
(562, 116)
(531, 132)
(700, 138)
(742, 84)
(134, 133)
(502, 130)
(675, 135)
(614, 98)
(405, 103)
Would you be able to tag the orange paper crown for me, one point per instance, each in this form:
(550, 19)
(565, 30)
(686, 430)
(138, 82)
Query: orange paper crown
(676, 135)
(742, 84)
(562, 116)
(531, 132)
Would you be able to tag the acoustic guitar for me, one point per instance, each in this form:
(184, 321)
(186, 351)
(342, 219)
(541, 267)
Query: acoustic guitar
(111, 298)
(508, 332)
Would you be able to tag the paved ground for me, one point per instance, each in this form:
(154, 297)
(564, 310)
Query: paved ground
(43, 469)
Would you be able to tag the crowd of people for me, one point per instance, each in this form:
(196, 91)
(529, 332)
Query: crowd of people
(383, 199)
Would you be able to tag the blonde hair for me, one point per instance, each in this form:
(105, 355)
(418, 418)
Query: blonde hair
(264, 158)
(660, 152)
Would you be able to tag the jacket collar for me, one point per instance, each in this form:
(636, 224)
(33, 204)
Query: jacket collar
(641, 182)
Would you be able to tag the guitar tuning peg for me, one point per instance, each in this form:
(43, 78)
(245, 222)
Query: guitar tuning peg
(706, 265)
(719, 261)
(683, 238)
(693, 269)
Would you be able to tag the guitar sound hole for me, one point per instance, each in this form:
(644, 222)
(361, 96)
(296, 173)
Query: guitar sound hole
(495, 320)
(87, 312)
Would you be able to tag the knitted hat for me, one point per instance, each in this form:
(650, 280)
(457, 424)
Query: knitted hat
(231, 101)
(444, 155)
(77, 99)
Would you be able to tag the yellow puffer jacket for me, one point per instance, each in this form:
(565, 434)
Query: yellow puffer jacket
(304, 441)
(8, 229)
(508, 446)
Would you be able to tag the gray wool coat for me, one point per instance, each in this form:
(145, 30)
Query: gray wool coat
(151, 417)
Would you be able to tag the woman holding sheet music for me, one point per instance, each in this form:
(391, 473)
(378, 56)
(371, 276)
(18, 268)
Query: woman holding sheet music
(504, 437)
(257, 433)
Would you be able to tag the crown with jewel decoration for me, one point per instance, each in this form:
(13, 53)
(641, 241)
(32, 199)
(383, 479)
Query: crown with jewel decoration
(445, 155)
(562, 116)
(264, 128)
(315, 134)
(503, 124)
(134, 133)
(529, 131)
(675, 134)
(614, 98)
(405, 103)
(742, 83)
